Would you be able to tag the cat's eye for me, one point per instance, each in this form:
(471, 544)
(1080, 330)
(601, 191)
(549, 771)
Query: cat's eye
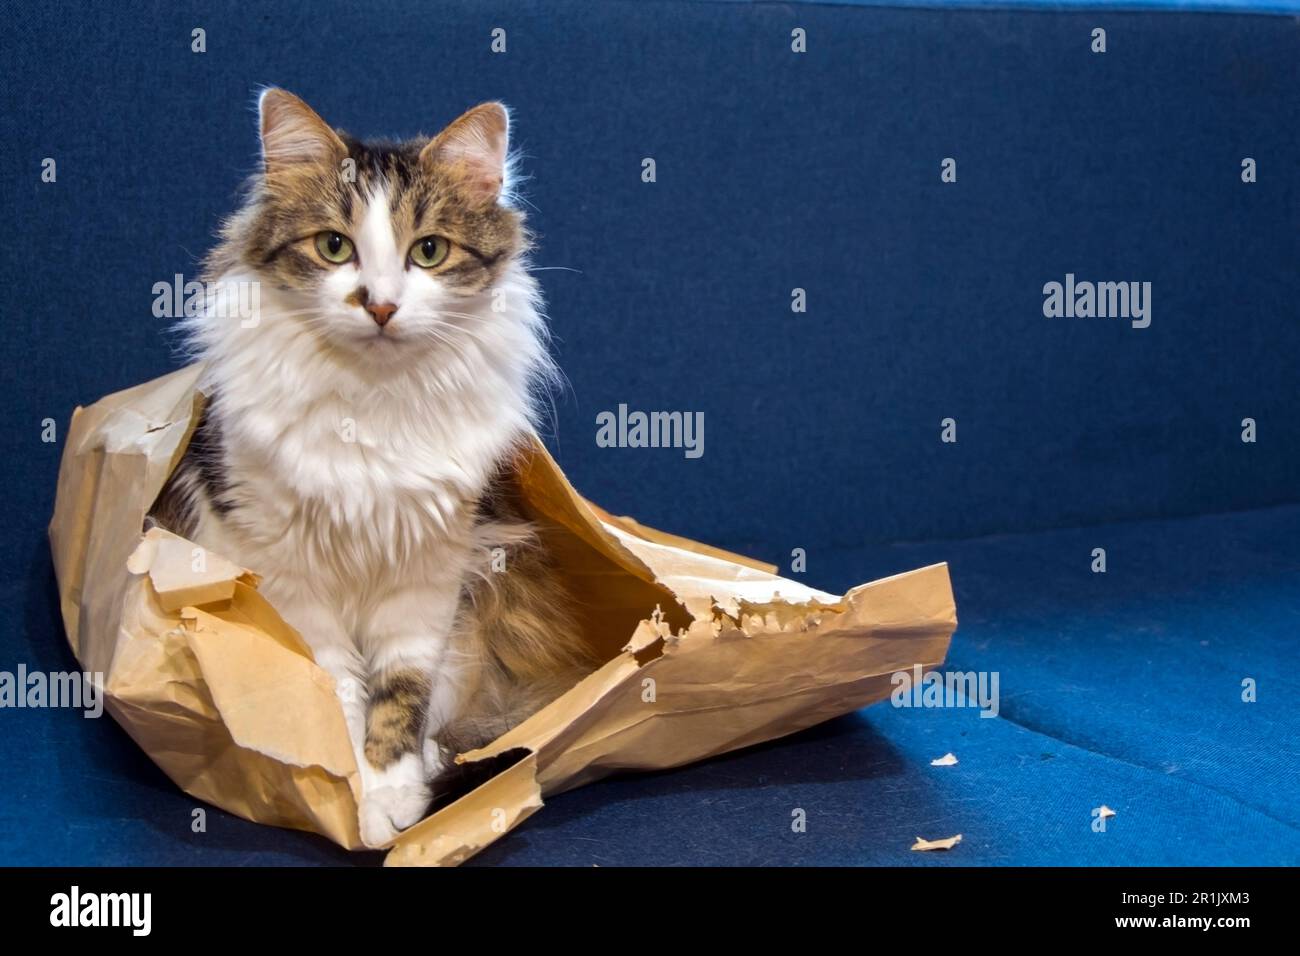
(429, 251)
(334, 247)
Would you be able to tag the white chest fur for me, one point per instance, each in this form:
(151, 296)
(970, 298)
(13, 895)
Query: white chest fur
(360, 475)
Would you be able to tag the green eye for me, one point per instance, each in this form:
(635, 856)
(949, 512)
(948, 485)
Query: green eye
(429, 251)
(334, 247)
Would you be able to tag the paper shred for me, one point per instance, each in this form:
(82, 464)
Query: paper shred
(947, 760)
(1103, 811)
(945, 844)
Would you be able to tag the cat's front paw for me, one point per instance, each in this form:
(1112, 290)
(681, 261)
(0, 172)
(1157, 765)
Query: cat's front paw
(392, 799)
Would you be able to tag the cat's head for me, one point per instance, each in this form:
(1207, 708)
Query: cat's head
(382, 249)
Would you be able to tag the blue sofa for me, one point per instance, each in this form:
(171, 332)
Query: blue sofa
(820, 171)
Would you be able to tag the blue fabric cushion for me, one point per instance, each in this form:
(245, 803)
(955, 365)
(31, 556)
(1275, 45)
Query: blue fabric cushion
(1121, 689)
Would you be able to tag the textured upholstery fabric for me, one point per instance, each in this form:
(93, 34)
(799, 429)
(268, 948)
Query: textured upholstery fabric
(775, 171)
(1120, 689)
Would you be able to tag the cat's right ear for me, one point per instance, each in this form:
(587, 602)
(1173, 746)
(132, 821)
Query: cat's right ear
(292, 132)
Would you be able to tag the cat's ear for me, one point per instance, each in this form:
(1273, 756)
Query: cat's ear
(293, 133)
(472, 152)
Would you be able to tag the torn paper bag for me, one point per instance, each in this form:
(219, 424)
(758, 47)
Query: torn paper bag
(704, 651)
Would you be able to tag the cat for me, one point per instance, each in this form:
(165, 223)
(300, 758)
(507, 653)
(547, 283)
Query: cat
(356, 442)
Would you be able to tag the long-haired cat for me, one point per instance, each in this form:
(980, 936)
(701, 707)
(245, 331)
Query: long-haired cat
(355, 435)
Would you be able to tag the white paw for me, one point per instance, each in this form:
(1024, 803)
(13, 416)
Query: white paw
(392, 799)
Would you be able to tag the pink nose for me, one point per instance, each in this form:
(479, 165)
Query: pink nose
(381, 312)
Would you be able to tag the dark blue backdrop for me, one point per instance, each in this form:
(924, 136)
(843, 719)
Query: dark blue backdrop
(774, 171)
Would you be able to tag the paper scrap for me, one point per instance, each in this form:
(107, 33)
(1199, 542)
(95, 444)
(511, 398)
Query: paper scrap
(947, 843)
(947, 760)
(182, 573)
(1103, 811)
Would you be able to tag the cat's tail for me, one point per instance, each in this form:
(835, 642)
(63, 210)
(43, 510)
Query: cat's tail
(499, 705)
(502, 707)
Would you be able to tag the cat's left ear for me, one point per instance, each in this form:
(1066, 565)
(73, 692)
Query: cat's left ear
(472, 151)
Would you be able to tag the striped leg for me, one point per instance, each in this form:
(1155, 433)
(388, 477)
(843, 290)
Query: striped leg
(413, 681)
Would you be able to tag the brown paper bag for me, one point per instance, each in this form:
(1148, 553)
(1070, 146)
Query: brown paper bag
(705, 651)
